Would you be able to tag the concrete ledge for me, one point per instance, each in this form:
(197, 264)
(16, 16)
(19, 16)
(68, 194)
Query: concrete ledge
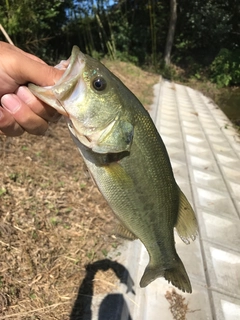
(204, 149)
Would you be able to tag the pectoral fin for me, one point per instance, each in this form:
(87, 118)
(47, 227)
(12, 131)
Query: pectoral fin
(186, 222)
(116, 138)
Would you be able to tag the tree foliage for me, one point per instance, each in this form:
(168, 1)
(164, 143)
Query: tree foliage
(32, 24)
(207, 26)
(225, 69)
(134, 30)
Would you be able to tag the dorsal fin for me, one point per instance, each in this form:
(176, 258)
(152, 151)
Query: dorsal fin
(186, 224)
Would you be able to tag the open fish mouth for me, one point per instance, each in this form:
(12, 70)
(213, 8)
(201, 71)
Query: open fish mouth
(69, 88)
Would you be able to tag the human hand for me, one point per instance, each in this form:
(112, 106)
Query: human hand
(20, 110)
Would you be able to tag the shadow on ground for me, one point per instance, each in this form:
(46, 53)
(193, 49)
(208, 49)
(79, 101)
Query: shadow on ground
(113, 306)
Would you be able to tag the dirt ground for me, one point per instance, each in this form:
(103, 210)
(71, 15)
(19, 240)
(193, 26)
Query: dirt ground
(54, 223)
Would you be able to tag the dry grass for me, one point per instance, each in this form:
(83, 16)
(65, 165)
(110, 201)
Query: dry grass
(138, 81)
(53, 222)
(178, 305)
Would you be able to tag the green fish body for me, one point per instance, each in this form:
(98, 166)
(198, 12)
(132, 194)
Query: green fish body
(128, 161)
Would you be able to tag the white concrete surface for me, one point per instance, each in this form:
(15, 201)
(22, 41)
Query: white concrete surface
(204, 149)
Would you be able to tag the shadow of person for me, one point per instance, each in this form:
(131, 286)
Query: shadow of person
(114, 307)
(82, 306)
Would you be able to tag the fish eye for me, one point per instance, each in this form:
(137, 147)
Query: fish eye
(99, 83)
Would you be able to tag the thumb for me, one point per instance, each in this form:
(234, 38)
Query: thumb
(23, 67)
(38, 73)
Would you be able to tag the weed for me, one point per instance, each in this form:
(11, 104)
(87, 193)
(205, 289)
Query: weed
(45, 185)
(67, 226)
(54, 221)
(32, 296)
(61, 184)
(50, 206)
(3, 191)
(13, 176)
(34, 235)
(82, 186)
(91, 254)
(104, 252)
(114, 245)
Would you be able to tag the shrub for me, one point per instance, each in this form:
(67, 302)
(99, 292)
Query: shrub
(225, 68)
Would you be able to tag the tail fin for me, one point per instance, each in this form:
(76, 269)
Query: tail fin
(150, 274)
(176, 275)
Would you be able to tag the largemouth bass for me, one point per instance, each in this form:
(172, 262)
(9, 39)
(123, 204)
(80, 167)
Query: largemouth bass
(128, 161)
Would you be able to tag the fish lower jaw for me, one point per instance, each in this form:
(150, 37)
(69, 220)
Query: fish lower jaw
(85, 140)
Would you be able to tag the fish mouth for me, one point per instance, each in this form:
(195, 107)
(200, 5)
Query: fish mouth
(68, 88)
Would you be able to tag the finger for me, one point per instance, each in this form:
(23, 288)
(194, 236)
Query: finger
(26, 72)
(41, 109)
(23, 115)
(23, 68)
(46, 75)
(13, 48)
(8, 125)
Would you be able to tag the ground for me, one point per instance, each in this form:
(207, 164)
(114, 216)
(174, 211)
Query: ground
(53, 220)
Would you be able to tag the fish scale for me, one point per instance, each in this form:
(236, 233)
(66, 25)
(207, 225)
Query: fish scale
(128, 161)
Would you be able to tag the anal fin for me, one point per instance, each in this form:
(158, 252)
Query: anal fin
(186, 224)
(124, 232)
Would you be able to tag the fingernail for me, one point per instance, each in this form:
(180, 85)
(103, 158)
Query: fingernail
(11, 103)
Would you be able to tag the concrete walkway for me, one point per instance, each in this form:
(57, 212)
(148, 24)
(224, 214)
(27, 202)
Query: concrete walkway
(204, 149)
